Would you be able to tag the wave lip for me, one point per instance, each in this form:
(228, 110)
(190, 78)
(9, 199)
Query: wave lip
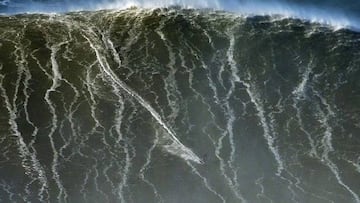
(325, 16)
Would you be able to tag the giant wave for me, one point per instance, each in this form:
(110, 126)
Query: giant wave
(178, 105)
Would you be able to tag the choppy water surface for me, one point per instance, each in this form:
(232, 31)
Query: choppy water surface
(175, 105)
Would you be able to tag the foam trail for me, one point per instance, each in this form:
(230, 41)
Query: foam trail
(324, 119)
(255, 99)
(206, 182)
(300, 94)
(267, 133)
(30, 163)
(171, 86)
(55, 84)
(146, 166)
(118, 121)
(262, 195)
(231, 118)
(37, 167)
(8, 190)
(356, 165)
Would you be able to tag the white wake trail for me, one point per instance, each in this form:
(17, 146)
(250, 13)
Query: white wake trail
(176, 148)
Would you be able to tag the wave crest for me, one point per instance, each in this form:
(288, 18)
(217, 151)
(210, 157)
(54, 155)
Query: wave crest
(326, 16)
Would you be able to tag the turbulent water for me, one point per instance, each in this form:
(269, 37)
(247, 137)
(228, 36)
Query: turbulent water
(176, 105)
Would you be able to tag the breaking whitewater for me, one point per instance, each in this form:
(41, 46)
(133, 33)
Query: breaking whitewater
(177, 105)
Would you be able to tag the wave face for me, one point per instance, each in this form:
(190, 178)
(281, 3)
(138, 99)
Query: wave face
(176, 105)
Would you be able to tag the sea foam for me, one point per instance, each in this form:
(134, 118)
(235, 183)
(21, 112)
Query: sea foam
(327, 16)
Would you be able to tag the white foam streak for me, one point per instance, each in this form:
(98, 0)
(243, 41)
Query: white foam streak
(146, 167)
(55, 84)
(255, 99)
(206, 182)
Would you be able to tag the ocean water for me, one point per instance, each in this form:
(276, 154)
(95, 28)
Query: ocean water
(179, 101)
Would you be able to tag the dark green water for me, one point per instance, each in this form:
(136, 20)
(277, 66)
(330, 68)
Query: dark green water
(177, 106)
